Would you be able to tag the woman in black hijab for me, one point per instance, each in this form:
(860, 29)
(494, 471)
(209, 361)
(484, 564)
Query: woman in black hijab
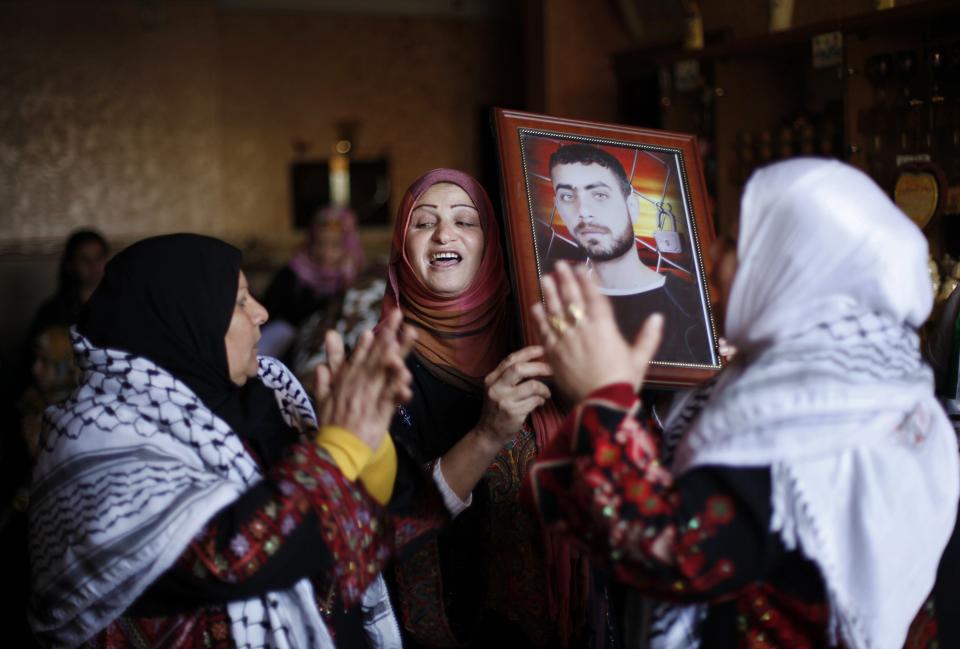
(187, 494)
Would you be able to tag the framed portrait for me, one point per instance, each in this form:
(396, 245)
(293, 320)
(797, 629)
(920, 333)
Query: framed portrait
(630, 204)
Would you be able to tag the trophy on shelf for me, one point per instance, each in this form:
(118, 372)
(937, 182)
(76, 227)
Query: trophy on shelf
(786, 147)
(827, 138)
(876, 122)
(807, 136)
(765, 150)
(936, 133)
(910, 115)
(939, 69)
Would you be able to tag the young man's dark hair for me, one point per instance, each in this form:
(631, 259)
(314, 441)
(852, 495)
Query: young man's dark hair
(587, 154)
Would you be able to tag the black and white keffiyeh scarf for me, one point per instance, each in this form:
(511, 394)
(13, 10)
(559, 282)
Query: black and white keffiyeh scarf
(133, 466)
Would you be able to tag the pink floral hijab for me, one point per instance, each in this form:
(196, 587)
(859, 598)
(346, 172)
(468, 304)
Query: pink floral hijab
(323, 279)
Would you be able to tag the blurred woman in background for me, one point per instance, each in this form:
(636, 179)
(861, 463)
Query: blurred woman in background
(328, 263)
(81, 269)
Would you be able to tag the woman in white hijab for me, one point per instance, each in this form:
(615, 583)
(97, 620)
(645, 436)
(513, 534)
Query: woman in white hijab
(816, 481)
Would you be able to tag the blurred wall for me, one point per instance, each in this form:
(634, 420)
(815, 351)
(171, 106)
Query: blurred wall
(155, 116)
(108, 117)
(579, 39)
(140, 120)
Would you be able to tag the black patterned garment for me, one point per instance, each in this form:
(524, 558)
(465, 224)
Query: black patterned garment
(481, 582)
(703, 537)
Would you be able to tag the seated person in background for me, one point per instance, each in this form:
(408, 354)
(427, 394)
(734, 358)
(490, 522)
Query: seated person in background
(349, 314)
(816, 482)
(189, 495)
(595, 200)
(81, 269)
(327, 264)
(54, 378)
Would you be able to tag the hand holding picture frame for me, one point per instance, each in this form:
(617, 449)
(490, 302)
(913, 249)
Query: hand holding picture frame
(629, 203)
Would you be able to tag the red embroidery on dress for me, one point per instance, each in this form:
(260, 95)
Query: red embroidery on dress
(624, 509)
(207, 628)
(923, 633)
(351, 523)
(628, 496)
(770, 618)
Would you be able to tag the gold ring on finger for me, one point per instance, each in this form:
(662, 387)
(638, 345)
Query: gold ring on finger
(558, 324)
(575, 311)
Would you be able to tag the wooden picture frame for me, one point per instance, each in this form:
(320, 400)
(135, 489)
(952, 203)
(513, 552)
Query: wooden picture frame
(575, 205)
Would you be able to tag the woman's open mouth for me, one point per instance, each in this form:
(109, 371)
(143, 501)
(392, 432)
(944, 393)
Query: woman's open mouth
(444, 259)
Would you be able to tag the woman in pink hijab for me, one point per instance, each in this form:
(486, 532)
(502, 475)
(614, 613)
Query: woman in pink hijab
(483, 581)
(329, 261)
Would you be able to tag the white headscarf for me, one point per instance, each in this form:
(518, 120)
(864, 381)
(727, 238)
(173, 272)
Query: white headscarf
(829, 390)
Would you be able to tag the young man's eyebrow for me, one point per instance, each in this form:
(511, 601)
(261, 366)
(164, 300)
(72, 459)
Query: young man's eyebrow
(599, 183)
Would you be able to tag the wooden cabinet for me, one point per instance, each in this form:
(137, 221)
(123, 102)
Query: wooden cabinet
(885, 99)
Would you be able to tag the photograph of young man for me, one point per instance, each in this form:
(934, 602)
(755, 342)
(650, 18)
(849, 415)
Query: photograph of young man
(598, 205)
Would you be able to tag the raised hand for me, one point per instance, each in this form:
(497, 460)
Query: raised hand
(583, 345)
(361, 393)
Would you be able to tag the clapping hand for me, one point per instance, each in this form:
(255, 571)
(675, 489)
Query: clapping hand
(360, 393)
(583, 345)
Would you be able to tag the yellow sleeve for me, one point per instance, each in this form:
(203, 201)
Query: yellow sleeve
(377, 470)
(348, 452)
(381, 471)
